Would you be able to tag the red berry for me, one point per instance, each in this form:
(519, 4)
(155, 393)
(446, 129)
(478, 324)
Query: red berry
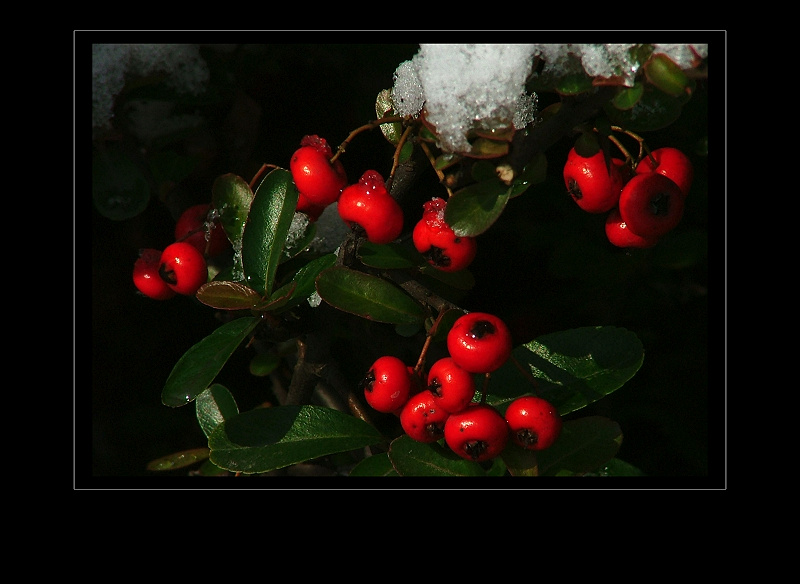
(591, 183)
(479, 342)
(422, 419)
(625, 171)
(304, 205)
(183, 268)
(146, 277)
(315, 177)
(534, 422)
(478, 432)
(618, 233)
(368, 205)
(387, 384)
(651, 205)
(672, 163)
(192, 225)
(437, 241)
(452, 386)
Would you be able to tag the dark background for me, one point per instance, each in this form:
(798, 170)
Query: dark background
(544, 266)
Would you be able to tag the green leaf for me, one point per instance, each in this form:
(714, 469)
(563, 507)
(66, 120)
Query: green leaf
(628, 97)
(213, 407)
(391, 256)
(474, 209)
(384, 106)
(654, 111)
(665, 74)
(266, 228)
(520, 461)
(198, 367)
(571, 368)
(119, 189)
(417, 459)
(303, 283)
(178, 459)
(377, 465)
(225, 295)
(368, 296)
(584, 445)
(232, 196)
(486, 148)
(263, 364)
(267, 439)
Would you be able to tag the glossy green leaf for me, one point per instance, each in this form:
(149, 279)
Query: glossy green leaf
(417, 459)
(303, 283)
(178, 459)
(267, 439)
(584, 445)
(474, 209)
(368, 296)
(628, 97)
(665, 74)
(391, 256)
(377, 465)
(570, 369)
(654, 111)
(226, 295)
(266, 228)
(119, 189)
(232, 196)
(198, 367)
(214, 406)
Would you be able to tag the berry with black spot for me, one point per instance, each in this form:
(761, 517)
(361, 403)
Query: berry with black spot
(477, 433)
(534, 422)
(479, 342)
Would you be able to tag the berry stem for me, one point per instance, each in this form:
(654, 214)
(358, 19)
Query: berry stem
(370, 126)
(526, 374)
(486, 377)
(438, 172)
(428, 338)
(396, 156)
(259, 173)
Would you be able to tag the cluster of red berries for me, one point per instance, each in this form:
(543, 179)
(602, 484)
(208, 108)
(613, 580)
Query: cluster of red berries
(368, 205)
(181, 268)
(643, 204)
(443, 406)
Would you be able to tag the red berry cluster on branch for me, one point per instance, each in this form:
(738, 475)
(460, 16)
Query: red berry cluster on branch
(443, 407)
(644, 202)
(181, 268)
